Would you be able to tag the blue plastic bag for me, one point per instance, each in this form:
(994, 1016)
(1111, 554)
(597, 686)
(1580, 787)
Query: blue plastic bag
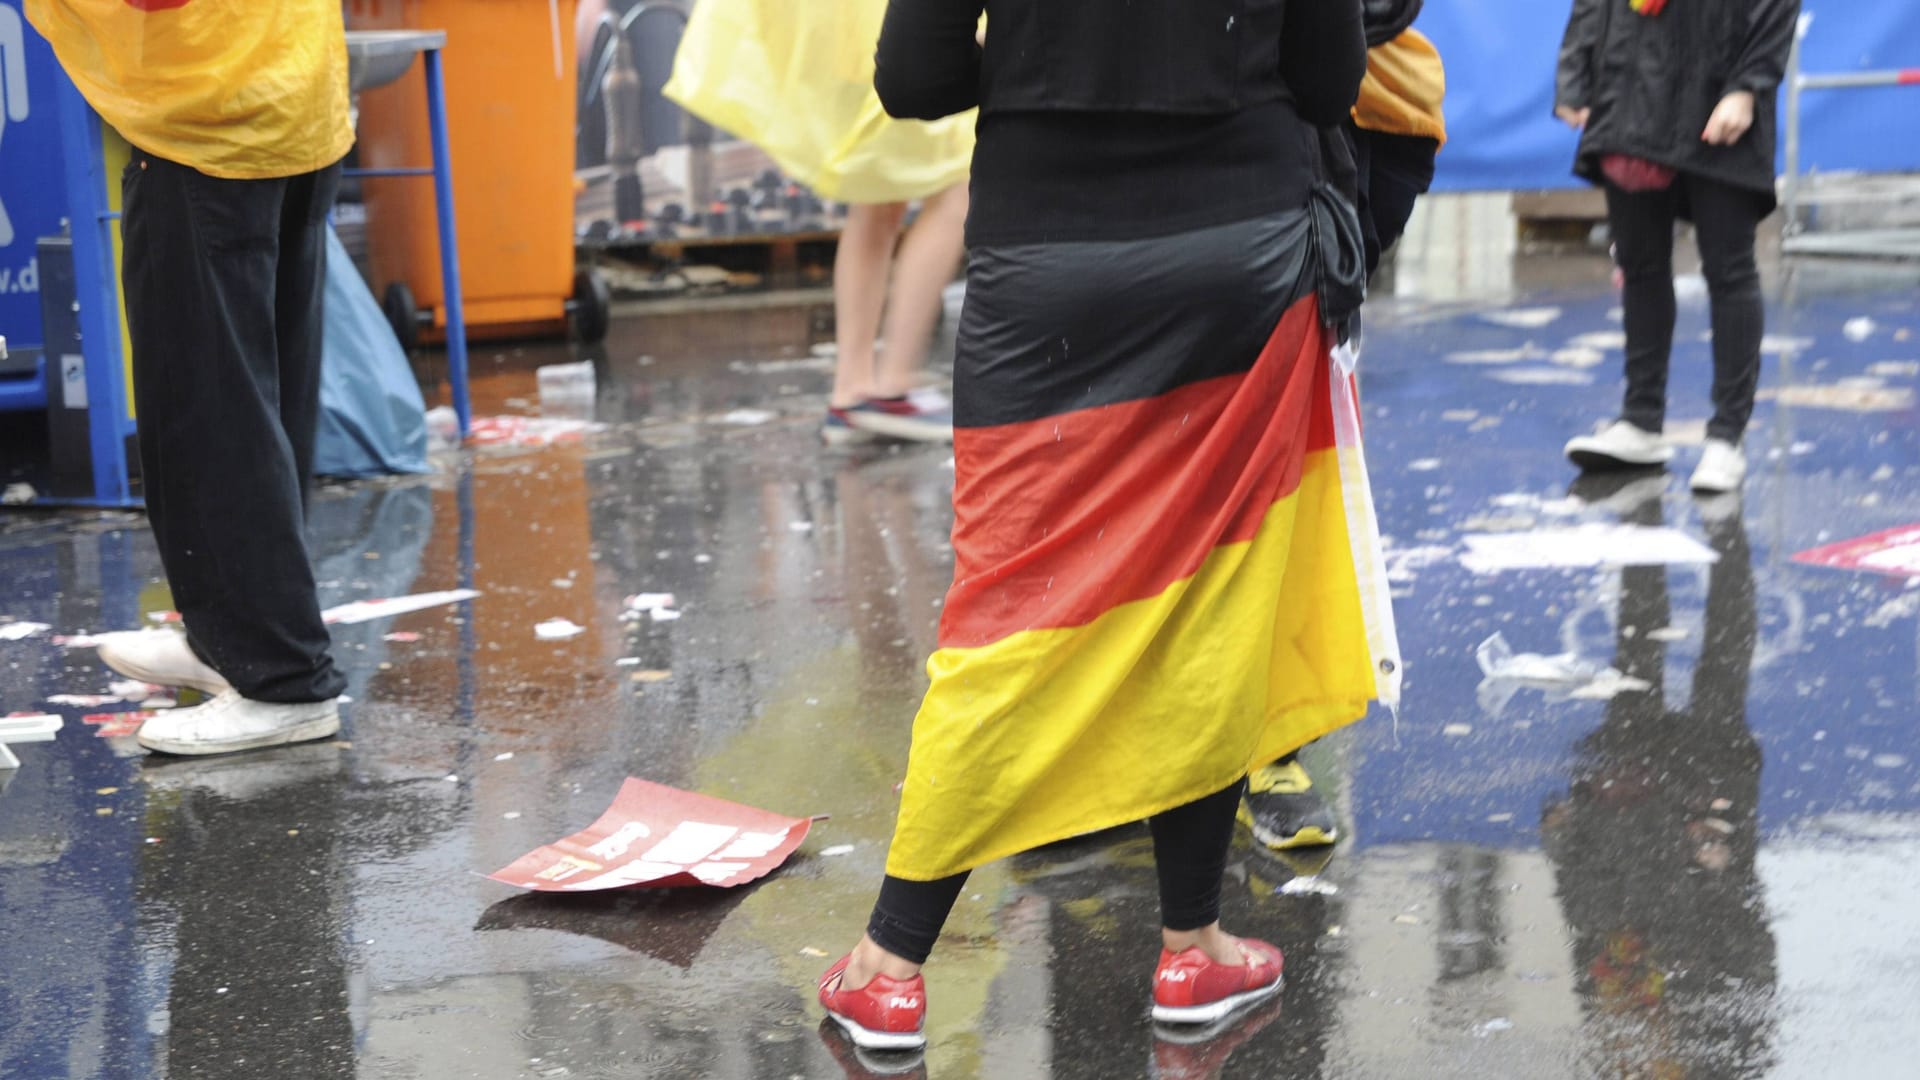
(373, 421)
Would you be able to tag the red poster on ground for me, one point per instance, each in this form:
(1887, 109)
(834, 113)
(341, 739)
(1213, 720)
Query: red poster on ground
(658, 836)
(1895, 552)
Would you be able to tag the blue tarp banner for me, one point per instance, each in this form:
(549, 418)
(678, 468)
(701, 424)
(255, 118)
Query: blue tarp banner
(1500, 57)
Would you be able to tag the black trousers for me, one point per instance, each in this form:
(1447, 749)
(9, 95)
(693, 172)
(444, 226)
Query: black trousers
(1190, 846)
(1725, 218)
(223, 283)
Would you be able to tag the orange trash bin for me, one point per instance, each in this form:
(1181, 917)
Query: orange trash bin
(510, 91)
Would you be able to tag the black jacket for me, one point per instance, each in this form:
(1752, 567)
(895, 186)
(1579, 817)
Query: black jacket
(1167, 57)
(1653, 82)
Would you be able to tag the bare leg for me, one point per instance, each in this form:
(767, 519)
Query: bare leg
(1220, 946)
(860, 271)
(925, 265)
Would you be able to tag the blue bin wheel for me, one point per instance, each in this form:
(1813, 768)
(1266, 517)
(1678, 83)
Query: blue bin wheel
(591, 306)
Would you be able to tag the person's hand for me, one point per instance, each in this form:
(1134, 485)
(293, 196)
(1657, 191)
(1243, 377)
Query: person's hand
(1572, 117)
(1730, 120)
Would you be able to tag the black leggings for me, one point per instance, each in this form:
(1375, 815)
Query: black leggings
(1725, 218)
(1189, 852)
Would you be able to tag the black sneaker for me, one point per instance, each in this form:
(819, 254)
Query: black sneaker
(1284, 811)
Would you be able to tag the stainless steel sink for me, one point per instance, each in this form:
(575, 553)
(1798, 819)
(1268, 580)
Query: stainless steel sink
(378, 57)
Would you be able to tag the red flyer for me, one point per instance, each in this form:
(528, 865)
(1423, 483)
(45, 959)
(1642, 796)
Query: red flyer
(1895, 552)
(657, 836)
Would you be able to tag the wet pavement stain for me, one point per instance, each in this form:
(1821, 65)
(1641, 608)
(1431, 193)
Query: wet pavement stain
(1710, 875)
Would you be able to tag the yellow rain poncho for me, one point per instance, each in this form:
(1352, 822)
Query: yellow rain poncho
(795, 77)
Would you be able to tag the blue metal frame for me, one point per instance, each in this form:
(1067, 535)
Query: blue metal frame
(97, 294)
(97, 291)
(442, 173)
(23, 393)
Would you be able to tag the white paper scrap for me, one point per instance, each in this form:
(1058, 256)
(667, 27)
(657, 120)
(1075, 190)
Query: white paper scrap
(558, 630)
(364, 610)
(20, 631)
(1584, 547)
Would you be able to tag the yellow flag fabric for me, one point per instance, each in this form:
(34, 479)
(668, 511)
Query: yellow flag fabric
(795, 77)
(238, 89)
(1405, 87)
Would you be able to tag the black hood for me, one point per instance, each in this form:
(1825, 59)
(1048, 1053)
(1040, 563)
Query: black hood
(1388, 19)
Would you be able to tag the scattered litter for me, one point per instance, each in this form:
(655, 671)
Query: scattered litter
(85, 701)
(529, 431)
(361, 611)
(37, 727)
(654, 835)
(627, 661)
(561, 583)
(1460, 416)
(20, 631)
(1478, 357)
(1894, 369)
(650, 601)
(1667, 633)
(703, 559)
(837, 849)
(1523, 318)
(1882, 474)
(1408, 920)
(1424, 465)
(800, 526)
(558, 630)
(1499, 819)
(404, 637)
(508, 756)
(817, 954)
(1403, 564)
(1844, 397)
(652, 676)
(1541, 376)
(116, 724)
(106, 791)
(1859, 329)
(18, 495)
(1889, 761)
(1604, 340)
(1578, 356)
(163, 616)
(1505, 673)
(567, 386)
(1721, 805)
(1455, 731)
(663, 615)
(1894, 552)
(1311, 885)
(451, 778)
(1498, 1023)
(1584, 547)
(1782, 343)
(128, 689)
(748, 417)
(511, 815)
(1904, 606)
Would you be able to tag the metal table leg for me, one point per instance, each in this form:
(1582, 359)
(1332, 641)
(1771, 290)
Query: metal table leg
(449, 249)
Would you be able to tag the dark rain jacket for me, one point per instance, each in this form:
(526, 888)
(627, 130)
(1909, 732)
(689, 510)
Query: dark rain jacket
(1388, 19)
(1653, 82)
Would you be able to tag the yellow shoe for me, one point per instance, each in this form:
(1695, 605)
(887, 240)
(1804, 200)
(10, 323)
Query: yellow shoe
(1284, 811)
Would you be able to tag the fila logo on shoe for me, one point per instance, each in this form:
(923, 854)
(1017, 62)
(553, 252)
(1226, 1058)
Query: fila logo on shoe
(1174, 975)
(903, 1001)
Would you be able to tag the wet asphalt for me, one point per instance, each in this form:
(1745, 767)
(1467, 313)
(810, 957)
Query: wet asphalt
(1708, 874)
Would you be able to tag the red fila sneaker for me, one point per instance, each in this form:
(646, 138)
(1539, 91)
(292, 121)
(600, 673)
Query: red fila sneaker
(885, 1014)
(1189, 987)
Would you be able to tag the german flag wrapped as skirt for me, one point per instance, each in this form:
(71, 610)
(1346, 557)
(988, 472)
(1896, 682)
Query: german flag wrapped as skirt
(1155, 586)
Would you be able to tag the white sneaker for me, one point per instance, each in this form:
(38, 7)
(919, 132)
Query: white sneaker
(1619, 445)
(160, 657)
(230, 722)
(1722, 468)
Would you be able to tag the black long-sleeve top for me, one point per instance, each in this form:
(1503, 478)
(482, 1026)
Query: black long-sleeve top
(1106, 120)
